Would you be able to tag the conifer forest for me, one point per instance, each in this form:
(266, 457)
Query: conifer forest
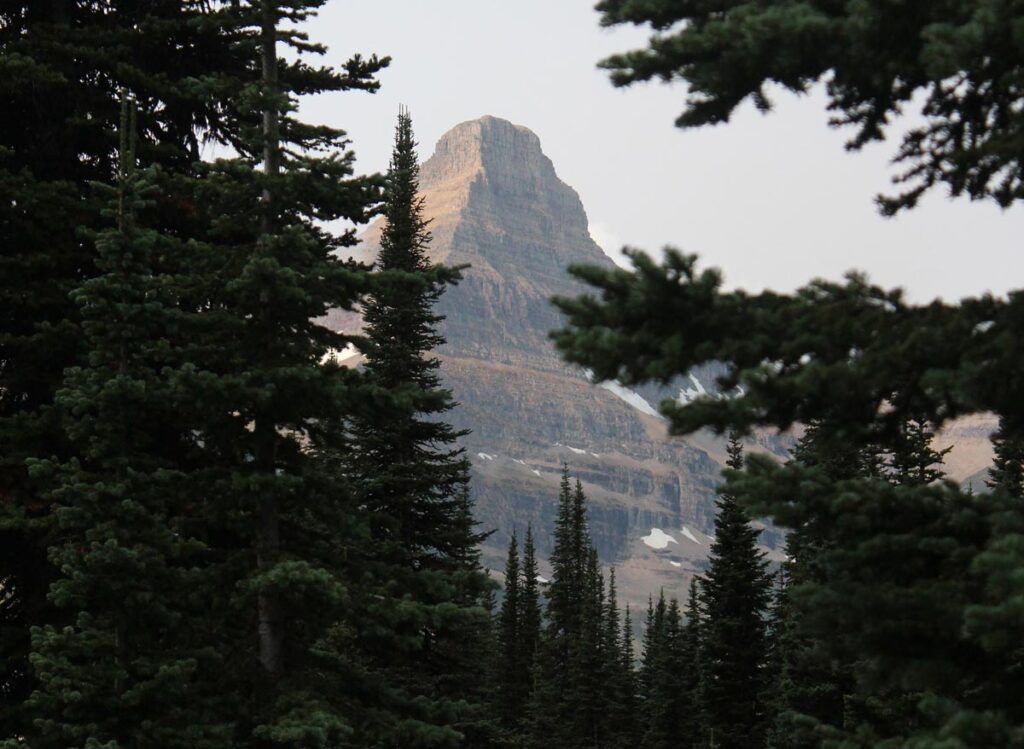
(216, 532)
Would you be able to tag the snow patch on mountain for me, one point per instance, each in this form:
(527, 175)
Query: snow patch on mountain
(687, 394)
(658, 539)
(631, 397)
(686, 532)
(339, 355)
(485, 456)
(577, 450)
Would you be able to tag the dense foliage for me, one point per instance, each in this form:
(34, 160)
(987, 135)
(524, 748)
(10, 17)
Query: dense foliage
(64, 65)
(901, 613)
(963, 60)
(213, 535)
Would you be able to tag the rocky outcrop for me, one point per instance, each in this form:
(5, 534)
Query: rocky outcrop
(497, 205)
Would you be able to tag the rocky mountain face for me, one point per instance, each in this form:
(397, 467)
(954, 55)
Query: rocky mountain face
(497, 205)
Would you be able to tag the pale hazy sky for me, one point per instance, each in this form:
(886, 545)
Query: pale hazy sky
(771, 200)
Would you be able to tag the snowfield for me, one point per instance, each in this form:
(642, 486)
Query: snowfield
(658, 539)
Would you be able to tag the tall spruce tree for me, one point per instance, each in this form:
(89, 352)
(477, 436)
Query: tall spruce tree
(649, 645)
(734, 644)
(625, 712)
(563, 594)
(891, 711)
(530, 609)
(131, 667)
(616, 692)
(547, 716)
(691, 714)
(772, 697)
(511, 694)
(65, 64)
(519, 632)
(257, 271)
(266, 409)
(660, 675)
(413, 480)
(586, 703)
(530, 629)
(669, 705)
(569, 703)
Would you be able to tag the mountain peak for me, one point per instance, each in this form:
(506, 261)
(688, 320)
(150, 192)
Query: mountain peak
(488, 143)
(496, 205)
(490, 129)
(501, 168)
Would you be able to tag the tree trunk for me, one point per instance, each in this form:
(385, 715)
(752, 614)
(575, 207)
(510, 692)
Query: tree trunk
(271, 614)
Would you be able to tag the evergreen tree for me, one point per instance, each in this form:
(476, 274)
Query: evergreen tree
(530, 609)
(65, 64)
(547, 715)
(665, 700)
(912, 461)
(569, 704)
(238, 397)
(586, 700)
(623, 714)
(266, 409)
(891, 711)
(669, 678)
(413, 481)
(131, 667)
(812, 687)
(650, 646)
(259, 406)
(411, 464)
(510, 674)
(564, 590)
(530, 625)
(617, 690)
(772, 697)
(691, 716)
(734, 647)
(485, 730)
(1007, 472)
